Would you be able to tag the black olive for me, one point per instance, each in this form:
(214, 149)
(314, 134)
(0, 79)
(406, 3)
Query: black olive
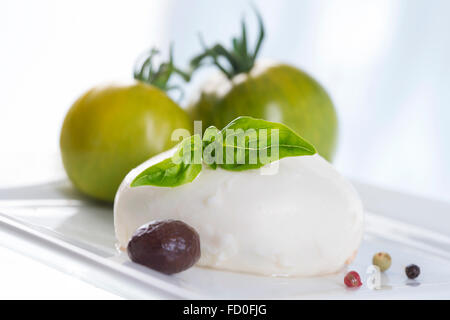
(168, 246)
(412, 271)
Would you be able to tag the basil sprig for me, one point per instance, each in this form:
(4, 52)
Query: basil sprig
(245, 143)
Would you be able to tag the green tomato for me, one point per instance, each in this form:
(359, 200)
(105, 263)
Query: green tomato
(279, 93)
(110, 130)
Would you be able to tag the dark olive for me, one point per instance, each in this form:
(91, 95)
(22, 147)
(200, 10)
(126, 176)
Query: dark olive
(168, 246)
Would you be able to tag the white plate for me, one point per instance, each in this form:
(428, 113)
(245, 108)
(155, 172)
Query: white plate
(54, 224)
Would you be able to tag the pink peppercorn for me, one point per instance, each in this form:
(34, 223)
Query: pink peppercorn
(353, 280)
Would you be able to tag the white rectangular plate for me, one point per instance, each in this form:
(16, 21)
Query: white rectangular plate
(54, 224)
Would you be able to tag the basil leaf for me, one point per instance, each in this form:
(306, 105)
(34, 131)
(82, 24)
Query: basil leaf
(189, 150)
(209, 146)
(183, 167)
(250, 143)
(245, 143)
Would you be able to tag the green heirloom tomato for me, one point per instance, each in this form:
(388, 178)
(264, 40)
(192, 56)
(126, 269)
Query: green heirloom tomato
(278, 93)
(112, 129)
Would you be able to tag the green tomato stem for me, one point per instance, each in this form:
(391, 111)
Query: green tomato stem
(239, 58)
(159, 77)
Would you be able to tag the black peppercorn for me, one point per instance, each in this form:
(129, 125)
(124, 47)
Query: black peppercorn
(412, 271)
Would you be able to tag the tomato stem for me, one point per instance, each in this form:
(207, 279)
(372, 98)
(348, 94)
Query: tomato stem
(239, 58)
(159, 77)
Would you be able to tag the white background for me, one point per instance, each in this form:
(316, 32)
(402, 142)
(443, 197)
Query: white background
(385, 63)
